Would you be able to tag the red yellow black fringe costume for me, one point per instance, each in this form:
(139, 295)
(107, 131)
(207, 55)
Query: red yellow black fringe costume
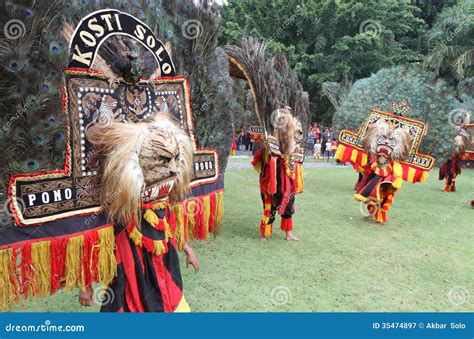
(148, 275)
(380, 179)
(281, 178)
(449, 171)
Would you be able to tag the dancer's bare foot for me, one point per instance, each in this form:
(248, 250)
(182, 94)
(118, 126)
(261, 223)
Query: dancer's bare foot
(291, 237)
(263, 239)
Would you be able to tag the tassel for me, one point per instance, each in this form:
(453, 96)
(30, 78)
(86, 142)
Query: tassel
(73, 261)
(107, 263)
(268, 230)
(27, 273)
(8, 295)
(58, 262)
(40, 257)
(159, 247)
(151, 217)
(90, 238)
(166, 228)
(206, 212)
(200, 231)
(213, 212)
(179, 233)
(219, 213)
(191, 222)
(136, 236)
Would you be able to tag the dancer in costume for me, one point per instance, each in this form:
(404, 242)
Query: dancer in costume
(383, 151)
(452, 167)
(143, 167)
(280, 174)
(59, 235)
(279, 159)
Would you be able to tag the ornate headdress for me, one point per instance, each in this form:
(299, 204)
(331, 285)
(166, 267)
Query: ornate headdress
(280, 101)
(128, 141)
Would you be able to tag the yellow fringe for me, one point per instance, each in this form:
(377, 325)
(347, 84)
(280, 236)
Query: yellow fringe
(73, 261)
(190, 210)
(41, 262)
(151, 217)
(167, 230)
(179, 231)
(219, 213)
(107, 261)
(268, 230)
(40, 257)
(8, 295)
(158, 247)
(299, 179)
(159, 205)
(206, 211)
(136, 236)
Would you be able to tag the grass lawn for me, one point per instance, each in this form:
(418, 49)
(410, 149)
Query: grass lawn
(421, 260)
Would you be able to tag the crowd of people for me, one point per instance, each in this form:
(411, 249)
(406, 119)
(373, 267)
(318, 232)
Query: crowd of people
(320, 142)
(243, 142)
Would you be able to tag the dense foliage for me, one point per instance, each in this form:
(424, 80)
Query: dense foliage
(328, 40)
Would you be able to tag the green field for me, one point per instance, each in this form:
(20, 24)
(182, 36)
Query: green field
(421, 260)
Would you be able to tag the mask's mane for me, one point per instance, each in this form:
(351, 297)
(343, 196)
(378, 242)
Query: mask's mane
(117, 147)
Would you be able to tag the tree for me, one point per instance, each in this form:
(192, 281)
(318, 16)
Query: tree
(452, 41)
(327, 41)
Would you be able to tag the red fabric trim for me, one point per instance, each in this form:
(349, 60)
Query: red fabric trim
(212, 216)
(286, 224)
(27, 273)
(199, 230)
(90, 240)
(57, 250)
(286, 189)
(124, 256)
(170, 293)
